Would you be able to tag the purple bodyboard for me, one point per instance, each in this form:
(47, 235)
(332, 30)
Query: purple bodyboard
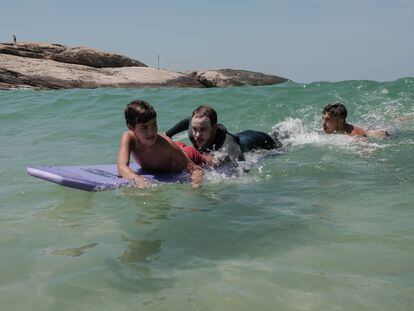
(98, 177)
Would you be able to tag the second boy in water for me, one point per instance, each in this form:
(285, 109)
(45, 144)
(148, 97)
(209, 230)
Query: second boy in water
(334, 122)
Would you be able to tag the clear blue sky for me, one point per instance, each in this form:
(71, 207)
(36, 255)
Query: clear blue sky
(308, 40)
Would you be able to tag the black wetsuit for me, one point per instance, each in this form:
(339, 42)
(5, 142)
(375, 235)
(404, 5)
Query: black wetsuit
(232, 145)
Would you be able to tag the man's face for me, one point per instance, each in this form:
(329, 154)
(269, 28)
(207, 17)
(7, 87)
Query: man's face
(332, 124)
(147, 132)
(203, 132)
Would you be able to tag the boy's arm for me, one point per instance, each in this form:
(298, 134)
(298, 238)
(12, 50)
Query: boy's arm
(123, 162)
(354, 130)
(370, 132)
(377, 133)
(179, 127)
(196, 172)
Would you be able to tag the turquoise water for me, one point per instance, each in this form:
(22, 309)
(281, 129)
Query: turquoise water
(324, 224)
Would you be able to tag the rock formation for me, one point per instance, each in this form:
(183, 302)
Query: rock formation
(16, 71)
(55, 66)
(61, 53)
(231, 77)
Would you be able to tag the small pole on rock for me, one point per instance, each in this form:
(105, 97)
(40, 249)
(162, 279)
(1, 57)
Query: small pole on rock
(158, 61)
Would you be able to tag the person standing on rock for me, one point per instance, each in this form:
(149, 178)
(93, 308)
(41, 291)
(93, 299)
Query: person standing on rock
(14, 39)
(208, 136)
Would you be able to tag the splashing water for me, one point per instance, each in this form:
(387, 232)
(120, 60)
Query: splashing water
(324, 221)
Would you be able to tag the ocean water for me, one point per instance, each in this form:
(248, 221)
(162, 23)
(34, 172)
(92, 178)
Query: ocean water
(326, 223)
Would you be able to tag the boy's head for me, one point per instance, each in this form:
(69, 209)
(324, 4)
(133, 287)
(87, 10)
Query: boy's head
(334, 116)
(204, 125)
(141, 118)
(139, 111)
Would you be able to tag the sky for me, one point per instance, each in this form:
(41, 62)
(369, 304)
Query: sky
(302, 40)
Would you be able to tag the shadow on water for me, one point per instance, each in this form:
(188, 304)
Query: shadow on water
(70, 207)
(139, 253)
(73, 252)
(183, 228)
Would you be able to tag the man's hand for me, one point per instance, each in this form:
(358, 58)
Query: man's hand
(140, 182)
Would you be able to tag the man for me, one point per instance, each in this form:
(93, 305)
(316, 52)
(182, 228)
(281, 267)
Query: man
(334, 121)
(208, 136)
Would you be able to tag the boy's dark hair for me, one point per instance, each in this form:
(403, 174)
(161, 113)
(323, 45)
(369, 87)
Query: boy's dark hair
(336, 110)
(206, 110)
(139, 111)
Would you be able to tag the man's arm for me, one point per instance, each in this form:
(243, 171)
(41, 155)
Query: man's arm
(123, 161)
(230, 151)
(183, 160)
(179, 127)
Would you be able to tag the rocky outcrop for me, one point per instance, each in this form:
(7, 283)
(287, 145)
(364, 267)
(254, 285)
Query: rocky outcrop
(231, 77)
(56, 66)
(18, 72)
(76, 55)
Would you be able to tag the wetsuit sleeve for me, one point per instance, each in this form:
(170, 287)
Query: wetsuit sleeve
(230, 151)
(181, 126)
(234, 150)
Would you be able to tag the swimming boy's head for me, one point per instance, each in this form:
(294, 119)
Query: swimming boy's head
(141, 118)
(204, 125)
(334, 116)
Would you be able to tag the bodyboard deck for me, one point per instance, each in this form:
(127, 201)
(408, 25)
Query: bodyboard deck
(98, 177)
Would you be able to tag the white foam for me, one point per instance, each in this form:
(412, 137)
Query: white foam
(238, 173)
(293, 132)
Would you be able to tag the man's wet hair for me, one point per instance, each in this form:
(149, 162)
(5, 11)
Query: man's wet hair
(207, 111)
(139, 111)
(336, 110)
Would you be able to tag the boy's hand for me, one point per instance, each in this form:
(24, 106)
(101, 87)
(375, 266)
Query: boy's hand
(197, 177)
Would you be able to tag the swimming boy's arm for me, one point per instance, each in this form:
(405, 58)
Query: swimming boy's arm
(370, 132)
(123, 161)
(181, 126)
(377, 133)
(354, 130)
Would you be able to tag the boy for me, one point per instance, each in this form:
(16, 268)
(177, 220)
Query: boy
(150, 150)
(334, 116)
